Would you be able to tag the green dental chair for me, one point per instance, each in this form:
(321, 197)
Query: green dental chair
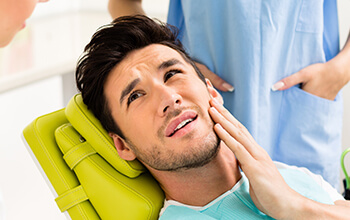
(89, 179)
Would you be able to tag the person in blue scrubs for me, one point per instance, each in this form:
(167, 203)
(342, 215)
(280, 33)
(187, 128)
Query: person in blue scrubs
(283, 60)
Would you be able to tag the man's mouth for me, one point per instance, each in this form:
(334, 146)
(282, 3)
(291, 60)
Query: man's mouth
(180, 123)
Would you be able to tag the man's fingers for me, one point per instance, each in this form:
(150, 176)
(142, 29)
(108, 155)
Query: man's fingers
(242, 155)
(216, 80)
(228, 116)
(236, 133)
(224, 112)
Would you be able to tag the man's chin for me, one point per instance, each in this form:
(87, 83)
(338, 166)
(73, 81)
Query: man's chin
(201, 156)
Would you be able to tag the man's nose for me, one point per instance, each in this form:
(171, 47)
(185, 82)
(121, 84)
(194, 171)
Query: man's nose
(169, 100)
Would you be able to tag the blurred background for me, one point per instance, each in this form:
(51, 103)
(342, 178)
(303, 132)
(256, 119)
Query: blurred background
(37, 77)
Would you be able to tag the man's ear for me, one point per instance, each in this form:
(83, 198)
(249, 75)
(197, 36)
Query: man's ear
(122, 147)
(213, 92)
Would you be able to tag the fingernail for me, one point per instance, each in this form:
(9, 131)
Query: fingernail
(277, 86)
(218, 126)
(228, 87)
(213, 109)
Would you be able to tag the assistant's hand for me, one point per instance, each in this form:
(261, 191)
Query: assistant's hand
(217, 81)
(268, 190)
(118, 8)
(324, 80)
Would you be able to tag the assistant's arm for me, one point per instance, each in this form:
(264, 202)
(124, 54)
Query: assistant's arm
(119, 8)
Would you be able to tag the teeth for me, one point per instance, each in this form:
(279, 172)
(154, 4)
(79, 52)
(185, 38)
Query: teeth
(183, 124)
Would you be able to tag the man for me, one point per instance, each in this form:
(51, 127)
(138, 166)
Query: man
(159, 109)
(253, 44)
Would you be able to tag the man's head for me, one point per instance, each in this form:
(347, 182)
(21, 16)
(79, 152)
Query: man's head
(108, 47)
(148, 94)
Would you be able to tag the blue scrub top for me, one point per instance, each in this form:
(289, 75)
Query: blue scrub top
(253, 44)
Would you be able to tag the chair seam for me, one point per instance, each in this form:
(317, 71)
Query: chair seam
(80, 198)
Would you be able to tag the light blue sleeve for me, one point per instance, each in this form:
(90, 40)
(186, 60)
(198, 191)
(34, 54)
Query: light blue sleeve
(183, 213)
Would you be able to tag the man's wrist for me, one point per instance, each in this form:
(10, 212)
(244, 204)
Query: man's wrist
(304, 208)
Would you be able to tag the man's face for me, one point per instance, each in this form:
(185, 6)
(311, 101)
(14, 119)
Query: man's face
(161, 106)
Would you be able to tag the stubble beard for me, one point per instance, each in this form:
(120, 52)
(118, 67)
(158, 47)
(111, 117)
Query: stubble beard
(199, 152)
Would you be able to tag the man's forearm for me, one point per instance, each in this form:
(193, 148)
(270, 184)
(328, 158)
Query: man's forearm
(119, 8)
(314, 210)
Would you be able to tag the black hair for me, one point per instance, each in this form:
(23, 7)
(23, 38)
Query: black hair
(108, 47)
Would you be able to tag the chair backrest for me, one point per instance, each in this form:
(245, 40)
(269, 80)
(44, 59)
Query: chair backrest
(88, 178)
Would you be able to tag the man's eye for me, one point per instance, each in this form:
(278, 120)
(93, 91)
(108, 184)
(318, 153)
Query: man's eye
(135, 95)
(170, 74)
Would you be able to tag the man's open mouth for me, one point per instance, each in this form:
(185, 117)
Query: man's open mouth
(180, 123)
(183, 124)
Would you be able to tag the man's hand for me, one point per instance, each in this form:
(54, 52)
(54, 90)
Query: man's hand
(266, 184)
(268, 190)
(217, 81)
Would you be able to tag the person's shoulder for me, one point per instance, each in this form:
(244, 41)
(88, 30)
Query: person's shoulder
(281, 165)
(316, 177)
(333, 193)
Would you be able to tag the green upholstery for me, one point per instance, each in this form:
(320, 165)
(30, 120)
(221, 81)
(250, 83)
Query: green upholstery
(89, 179)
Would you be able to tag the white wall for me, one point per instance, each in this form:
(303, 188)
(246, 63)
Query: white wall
(344, 26)
(54, 7)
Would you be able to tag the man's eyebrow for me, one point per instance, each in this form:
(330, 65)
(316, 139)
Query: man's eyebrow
(168, 63)
(132, 85)
(128, 89)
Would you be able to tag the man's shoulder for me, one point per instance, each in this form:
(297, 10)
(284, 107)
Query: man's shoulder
(333, 193)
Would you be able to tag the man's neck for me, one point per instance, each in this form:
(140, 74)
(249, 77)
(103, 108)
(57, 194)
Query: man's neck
(199, 186)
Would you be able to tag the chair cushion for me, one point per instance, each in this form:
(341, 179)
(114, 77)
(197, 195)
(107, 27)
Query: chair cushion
(113, 195)
(39, 137)
(91, 129)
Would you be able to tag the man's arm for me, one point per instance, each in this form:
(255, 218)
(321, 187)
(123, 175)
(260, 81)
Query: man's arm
(119, 8)
(266, 184)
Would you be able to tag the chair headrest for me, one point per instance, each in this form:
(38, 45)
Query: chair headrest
(84, 121)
